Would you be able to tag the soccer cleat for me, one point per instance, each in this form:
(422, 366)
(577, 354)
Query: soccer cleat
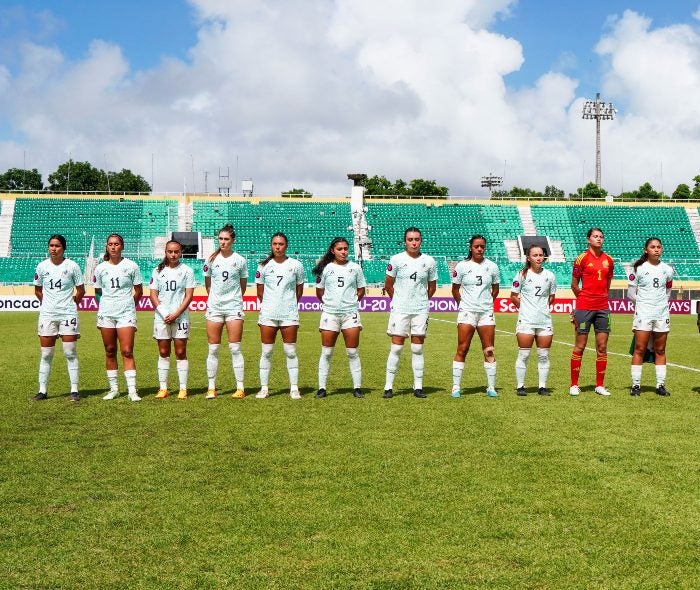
(661, 390)
(74, 397)
(134, 397)
(320, 393)
(388, 393)
(112, 394)
(491, 393)
(162, 394)
(600, 390)
(419, 393)
(211, 394)
(262, 394)
(182, 394)
(294, 393)
(357, 392)
(238, 394)
(40, 396)
(574, 390)
(635, 391)
(543, 391)
(521, 391)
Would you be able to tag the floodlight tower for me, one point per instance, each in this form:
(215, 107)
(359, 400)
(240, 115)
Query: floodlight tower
(360, 227)
(490, 181)
(600, 111)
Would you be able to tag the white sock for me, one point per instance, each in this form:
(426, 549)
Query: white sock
(543, 365)
(113, 379)
(392, 364)
(212, 364)
(324, 365)
(660, 374)
(130, 377)
(355, 367)
(70, 352)
(636, 372)
(457, 370)
(45, 367)
(490, 369)
(290, 351)
(521, 366)
(163, 370)
(237, 363)
(417, 363)
(265, 362)
(183, 370)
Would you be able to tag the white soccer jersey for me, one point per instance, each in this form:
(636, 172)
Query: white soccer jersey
(171, 284)
(340, 283)
(58, 282)
(226, 274)
(411, 278)
(535, 290)
(651, 282)
(117, 283)
(475, 280)
(280, 297)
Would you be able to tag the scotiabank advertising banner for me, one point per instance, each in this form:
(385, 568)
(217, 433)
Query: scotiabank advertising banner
(368, 304)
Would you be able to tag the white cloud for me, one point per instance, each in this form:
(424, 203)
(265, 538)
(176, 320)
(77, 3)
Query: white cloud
(299, 93)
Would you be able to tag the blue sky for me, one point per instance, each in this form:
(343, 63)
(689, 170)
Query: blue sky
(302, 91)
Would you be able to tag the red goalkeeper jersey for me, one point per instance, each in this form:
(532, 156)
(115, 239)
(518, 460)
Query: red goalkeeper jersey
(594, 272)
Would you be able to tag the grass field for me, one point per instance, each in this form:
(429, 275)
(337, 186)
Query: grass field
(474, 492)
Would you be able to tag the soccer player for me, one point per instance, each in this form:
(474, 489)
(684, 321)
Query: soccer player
(475, 286)
(226, 279)
(59, 287)
(118, 288)
(591, 277)
(340, 285)
(649, 287)
(411, 279)
(280, 284)
(172, 288)
(532, 293)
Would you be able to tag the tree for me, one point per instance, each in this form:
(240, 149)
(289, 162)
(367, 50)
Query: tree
(682, 192)
(297, 192)
(377, 185)
(427, 188)
(552, 192)
(76, 177)
(646, 192)
(19, 179)
(589, 192)
(418, 187)
(695, 195)
(124, 182)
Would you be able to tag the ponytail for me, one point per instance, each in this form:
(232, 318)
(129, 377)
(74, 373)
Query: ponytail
(164, 262)
(328, 257)
(228, 228)
(271, 255)
(109, 237)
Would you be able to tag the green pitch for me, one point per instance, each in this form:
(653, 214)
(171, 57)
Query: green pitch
(344, 493)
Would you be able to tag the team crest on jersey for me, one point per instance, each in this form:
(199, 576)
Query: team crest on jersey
(605, 264)
(631, 278)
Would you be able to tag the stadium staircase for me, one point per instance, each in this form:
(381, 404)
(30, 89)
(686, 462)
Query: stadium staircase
(6, 215)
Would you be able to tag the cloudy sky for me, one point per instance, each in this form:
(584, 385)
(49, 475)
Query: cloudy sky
(296, 93)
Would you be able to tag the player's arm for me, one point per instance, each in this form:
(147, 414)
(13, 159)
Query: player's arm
(495, 288)
(260, 290)
(138, 292)
(389, 286)
(300, 291)
(39, 292)
(456, 294)
(575, 282)
(515, 299)
(207, 284)
(79, 293)
(551, 299)
(432, 285)
(319, 293)
(244, 285)
(361, 293)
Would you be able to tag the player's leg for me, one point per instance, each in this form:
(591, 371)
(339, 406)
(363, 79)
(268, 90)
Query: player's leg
(127, 336)
(544, 343)
(164, 346)
(182, 365)
(109, 340)
(289, 345)
(465, 333)
(48, 346)
(487, 335)
(352, 343)
(214, 326)
(328, 340)
(268, 333)
(234, 328)
(660, 362)
(525, 341)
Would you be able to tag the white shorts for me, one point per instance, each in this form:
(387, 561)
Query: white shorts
(485, 318)
(525, 328)
(663, 324)
(407, 324)
(337, 323)
(179, 330)
(66, 327)
(125, 321)
(277, 323)
(221, 317)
